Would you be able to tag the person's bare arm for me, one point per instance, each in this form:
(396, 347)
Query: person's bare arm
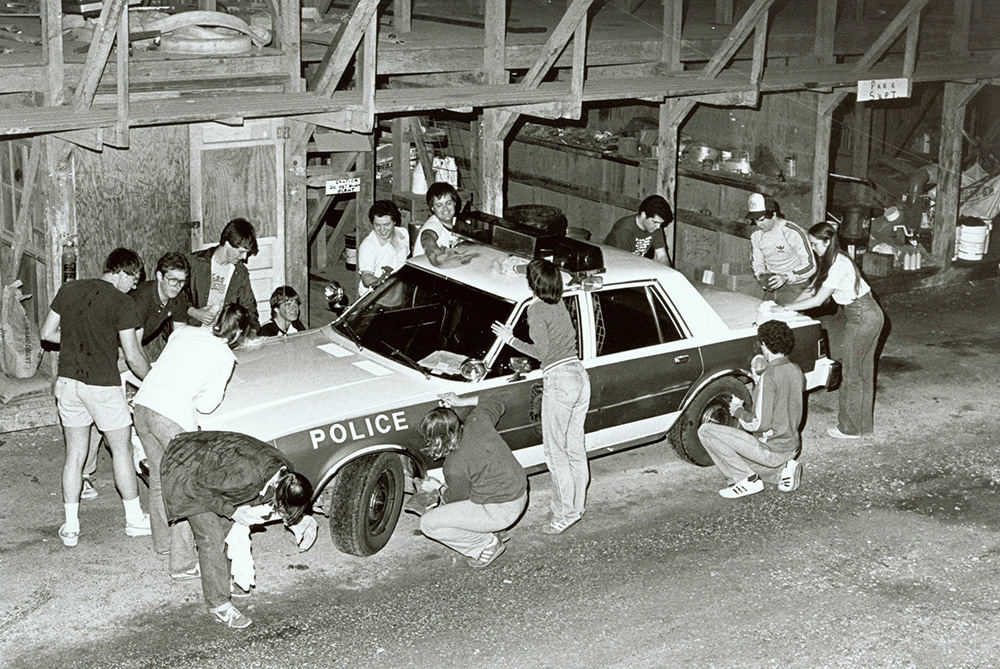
(134, 356)
(50, 328)
(204, 316)
(444, 258)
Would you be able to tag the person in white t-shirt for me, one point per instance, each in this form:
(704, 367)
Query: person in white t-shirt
(189, 378)
(435, 238)
(385, 248)
(837, 276)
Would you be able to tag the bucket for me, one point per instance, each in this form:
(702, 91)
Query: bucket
(972, 239)
(583, 234)
(350, 252)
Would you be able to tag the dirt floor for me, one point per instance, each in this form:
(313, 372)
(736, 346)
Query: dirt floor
(888, 556)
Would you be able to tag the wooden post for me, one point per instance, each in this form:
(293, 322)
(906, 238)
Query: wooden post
(862, 139)
(365, 166)
(296, 251)
(672, 115)
(401, 15)
(670, 46)
(826, 25)
(956, 97)
(491, 151)
(821, 160)
(400, 156)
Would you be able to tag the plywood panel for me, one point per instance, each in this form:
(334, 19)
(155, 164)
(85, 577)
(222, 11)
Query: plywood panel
(240, 181)
(138, 198)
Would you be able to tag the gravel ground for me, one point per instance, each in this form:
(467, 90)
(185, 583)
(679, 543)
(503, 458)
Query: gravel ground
(886, 557)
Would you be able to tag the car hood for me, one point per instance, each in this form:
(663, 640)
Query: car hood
(293, 383)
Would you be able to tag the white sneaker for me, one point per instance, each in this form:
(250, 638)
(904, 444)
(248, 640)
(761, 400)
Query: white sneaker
(140, 529)
(837, 434)
(88, 491)
(791, 476)
(231, 617)
(69, 539)
(751, 485)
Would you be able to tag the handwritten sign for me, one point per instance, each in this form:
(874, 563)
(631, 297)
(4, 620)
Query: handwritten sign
(883, 89)
(338, 186)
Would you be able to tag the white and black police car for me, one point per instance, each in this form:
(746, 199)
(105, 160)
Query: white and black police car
(344, 402)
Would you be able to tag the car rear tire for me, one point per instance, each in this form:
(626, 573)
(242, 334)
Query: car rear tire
(365, 502)
(711, 405)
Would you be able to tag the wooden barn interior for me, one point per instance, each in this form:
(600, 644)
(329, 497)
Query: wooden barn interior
(150, 125)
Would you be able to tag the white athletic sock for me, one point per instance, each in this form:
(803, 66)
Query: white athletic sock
(133, 511)
(72, 517)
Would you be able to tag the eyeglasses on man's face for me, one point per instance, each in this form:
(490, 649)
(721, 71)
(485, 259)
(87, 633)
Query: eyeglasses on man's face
(174, 282)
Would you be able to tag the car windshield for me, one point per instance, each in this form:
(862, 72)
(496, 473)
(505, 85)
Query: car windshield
(425, 320)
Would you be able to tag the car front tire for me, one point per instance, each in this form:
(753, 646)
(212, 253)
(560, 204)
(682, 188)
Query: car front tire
(365, 503)
(711, 405)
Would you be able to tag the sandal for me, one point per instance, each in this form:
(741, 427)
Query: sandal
(487, 557)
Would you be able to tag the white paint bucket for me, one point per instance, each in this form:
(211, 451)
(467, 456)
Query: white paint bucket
(972, 241)
(350, 252)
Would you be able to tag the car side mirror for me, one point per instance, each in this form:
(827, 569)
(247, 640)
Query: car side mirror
(520, 365)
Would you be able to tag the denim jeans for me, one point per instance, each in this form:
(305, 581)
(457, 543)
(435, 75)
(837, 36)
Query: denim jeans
(468, 527)
(857, 390)
(155, 432)
(565, 400)
(738, 454)
(210, 532)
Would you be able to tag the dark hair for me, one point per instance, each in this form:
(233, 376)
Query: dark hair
(545, 281)
(776, 336)
(240, 234)
(233, 324)
(123, 260)
(440, 189)
(384, 208)
(441, 429)
(656, 205)
(292, 495)
(172, 260)
(283, 294)
(828, 233)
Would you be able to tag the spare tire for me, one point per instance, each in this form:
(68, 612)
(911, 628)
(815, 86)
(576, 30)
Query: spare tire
(541, 216)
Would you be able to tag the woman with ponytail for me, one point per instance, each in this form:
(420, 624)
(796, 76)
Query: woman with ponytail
(837, 276)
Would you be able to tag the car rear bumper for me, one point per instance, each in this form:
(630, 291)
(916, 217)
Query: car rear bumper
(825, 374)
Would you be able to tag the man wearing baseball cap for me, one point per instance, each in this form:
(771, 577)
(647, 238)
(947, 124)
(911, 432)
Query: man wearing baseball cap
(781, 258)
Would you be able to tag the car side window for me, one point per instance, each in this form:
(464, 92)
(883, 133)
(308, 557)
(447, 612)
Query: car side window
(630, 318)
(501, 366)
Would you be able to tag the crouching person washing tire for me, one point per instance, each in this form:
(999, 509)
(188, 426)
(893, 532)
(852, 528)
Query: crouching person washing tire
(216, 479)
(767, 447)
(485, 489)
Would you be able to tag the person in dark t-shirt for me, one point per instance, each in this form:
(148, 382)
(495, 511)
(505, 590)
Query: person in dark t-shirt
(644, 234)
(162, 303)
(89, 318)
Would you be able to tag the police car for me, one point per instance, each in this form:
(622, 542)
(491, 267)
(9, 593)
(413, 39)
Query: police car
(344, 402)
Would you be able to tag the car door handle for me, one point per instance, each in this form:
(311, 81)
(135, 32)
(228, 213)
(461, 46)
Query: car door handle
(681, 359)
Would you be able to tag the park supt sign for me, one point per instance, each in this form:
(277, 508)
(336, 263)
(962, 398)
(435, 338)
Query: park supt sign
(883, 89)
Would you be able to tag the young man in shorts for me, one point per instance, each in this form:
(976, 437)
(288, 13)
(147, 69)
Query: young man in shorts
(89, 318)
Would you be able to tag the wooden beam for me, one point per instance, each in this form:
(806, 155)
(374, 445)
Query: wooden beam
(89, 138)
(960, 27)
(424, 157)
(400, 156)
(737, 36)
(826, 26)
(52, 51)
(492, 153)
(341, 51)
(724, 12)
(401, 15)
(672, 115)
(759, 51)
(910, 54)
(366, 67)
(670, 45)
(23, 223)
(821, 164)
(862, 139)
(956, 96)
(554, 46)
(366, 195)
(578, 71)
(121, 55)
(97, 55)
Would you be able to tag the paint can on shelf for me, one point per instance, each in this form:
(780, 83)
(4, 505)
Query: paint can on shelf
(790, 168)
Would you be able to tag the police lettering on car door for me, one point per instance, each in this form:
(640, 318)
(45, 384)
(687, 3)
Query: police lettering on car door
(359, 428)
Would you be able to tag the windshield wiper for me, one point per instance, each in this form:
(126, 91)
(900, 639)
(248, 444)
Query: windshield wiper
(350, 331)
(396, 353)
